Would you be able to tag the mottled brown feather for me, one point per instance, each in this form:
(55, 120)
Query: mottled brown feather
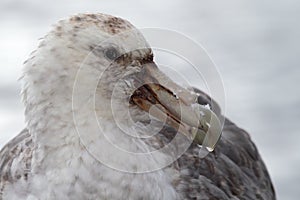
(18, 150)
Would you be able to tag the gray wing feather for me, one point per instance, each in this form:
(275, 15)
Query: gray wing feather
(15, 160)
(234, 170)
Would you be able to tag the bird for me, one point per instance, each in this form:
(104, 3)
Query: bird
(99, 113)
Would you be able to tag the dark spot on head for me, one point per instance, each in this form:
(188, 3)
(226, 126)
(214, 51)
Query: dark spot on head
(116, 24)
(76, 18)
(113, 30)
(93, 16)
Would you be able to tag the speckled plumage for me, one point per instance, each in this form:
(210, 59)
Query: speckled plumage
(47, 160)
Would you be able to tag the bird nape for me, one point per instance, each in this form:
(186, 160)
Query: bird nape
(99, 114)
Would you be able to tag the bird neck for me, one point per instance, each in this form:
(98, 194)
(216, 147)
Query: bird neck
(62, 114)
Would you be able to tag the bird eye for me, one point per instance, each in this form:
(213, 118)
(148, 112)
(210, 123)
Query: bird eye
(111, 53)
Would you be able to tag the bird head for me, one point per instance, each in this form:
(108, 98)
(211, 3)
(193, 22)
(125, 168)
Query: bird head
(107, 58)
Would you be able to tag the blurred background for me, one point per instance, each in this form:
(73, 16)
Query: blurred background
(255, 45)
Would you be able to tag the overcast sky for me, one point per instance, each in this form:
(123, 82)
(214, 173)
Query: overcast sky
(254, 44)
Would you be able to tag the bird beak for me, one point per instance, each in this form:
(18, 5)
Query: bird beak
(166, 101)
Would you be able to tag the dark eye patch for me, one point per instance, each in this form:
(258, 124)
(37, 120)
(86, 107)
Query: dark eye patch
(111, 53)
